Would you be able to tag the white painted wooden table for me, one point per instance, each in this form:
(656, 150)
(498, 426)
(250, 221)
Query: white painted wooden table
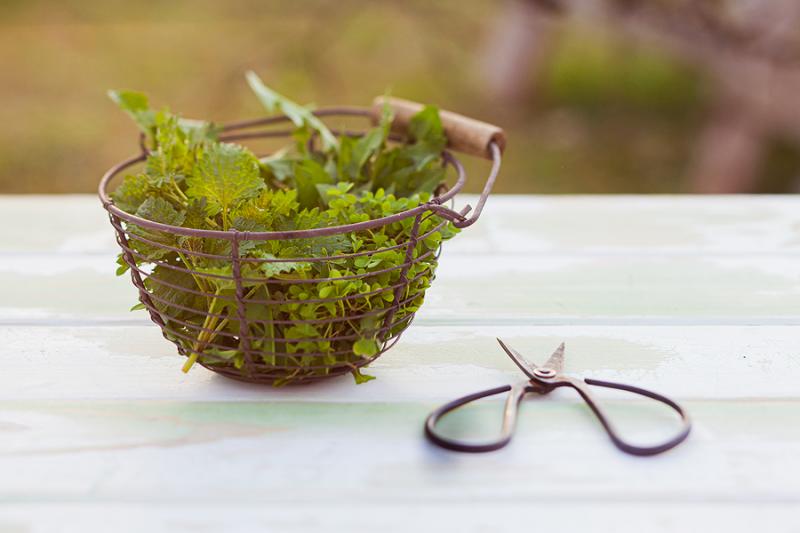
(696, 297)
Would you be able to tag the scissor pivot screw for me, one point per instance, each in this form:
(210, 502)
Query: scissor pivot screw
(544, 372)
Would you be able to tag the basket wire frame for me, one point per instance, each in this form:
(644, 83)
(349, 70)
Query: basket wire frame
(268, 353)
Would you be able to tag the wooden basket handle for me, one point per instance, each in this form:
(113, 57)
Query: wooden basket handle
(464, 134)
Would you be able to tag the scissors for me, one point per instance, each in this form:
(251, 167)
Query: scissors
(543, 380)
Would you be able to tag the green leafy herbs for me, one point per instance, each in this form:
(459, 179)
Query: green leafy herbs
(310, 304)
(300, 116)
(225, 177)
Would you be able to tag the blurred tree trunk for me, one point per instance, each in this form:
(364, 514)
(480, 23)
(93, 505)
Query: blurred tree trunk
(749, 48)
(516, 48)
(727, 154)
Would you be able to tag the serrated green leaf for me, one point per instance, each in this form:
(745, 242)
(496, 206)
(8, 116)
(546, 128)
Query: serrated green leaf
(160, 210)
(226, 175)
(171, 289)
(131, 193)
(273, 269)
(136, 105)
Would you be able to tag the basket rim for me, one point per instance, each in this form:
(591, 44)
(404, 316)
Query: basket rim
(434, 204)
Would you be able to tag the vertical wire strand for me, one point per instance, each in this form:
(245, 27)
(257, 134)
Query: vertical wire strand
(144, 296)
(402, 284)
(241, 312)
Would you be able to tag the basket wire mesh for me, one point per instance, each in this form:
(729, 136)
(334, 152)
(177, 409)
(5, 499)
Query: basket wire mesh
(240, 329)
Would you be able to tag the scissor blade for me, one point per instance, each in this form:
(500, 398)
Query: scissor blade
(556, 361)
(520, 361)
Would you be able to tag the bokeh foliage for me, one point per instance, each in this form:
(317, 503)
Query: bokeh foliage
(600, 115)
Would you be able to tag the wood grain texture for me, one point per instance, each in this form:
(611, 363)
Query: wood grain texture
(694, 297)
(431, 363)
(473, 288)
(464, 134)
(575, 225)
(486, 516)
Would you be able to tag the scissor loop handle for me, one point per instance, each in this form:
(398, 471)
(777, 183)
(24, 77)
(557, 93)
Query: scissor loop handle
(518, 391)
(619, 442)
(515, 395)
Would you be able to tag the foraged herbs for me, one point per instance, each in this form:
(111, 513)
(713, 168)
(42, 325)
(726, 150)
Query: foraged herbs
(310, 304)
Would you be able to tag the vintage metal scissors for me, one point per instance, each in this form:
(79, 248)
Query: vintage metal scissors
(543, 380)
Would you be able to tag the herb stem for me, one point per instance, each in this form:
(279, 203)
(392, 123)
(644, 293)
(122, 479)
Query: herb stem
(210, 329)
(270, 329)
(205, 336)
(197, 279)
(179, 191)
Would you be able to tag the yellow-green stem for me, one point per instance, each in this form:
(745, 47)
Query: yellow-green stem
(270, 327)
(210, 329)
(201, 284)
(209, 323)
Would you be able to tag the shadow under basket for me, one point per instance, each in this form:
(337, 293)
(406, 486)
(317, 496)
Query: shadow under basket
(242, 328)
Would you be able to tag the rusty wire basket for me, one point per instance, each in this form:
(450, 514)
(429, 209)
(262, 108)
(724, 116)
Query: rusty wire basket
(263, 346)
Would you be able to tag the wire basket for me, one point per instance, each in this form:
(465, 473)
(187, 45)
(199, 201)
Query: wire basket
(258, 344)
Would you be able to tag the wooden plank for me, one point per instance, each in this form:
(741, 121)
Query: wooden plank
(160, 453)
(430, 363)
(520, 223)
(473, 288)
(70, 223)
(695, 297)
(620, 224)
(476, 516)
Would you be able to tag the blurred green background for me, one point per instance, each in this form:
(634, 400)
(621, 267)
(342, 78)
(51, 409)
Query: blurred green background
(587, 108)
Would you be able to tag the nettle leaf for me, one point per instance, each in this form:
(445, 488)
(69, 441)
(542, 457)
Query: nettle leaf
(283, 203)
(197, 131)
(218, 276)
(226, 175)
(299, 115)
(171, 289)
(131, 193)
(150, 122)
(196, 214)
(280, 169)
(172, 157)
(328, 245)
(270, 210)
(274, 269)
(159, 210)
(136, 105)
(309, 174)
(426, 126)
